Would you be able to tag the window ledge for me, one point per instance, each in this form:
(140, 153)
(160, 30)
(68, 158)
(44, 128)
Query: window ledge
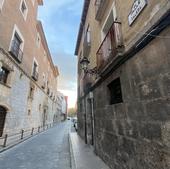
(6, 85)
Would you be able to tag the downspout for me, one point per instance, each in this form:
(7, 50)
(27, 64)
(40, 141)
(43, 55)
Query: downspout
(92, 115)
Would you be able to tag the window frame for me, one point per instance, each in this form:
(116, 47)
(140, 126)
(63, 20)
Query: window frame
(38, 40)
(34, 61)
(33, 2)
(7, 72)
(26, 10)
(1, 4)
(16, 30)
(112, 13)
(114, 98)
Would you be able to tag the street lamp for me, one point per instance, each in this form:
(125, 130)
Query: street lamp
(84, 62)
(1, 64)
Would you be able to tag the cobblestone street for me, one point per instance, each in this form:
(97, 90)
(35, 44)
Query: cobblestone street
(49, 150)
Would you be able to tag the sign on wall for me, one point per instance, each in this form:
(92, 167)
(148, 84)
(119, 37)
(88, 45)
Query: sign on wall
(137, 8)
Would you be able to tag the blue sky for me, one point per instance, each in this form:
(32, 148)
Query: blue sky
(60, 19)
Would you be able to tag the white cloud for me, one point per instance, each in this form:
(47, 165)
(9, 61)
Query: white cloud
(61, 21)
(72, 97)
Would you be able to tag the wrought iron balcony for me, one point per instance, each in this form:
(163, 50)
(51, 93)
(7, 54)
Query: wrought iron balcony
(110, 46)
(100, 8)
(35, 75)
(86, 44)
(16, 52)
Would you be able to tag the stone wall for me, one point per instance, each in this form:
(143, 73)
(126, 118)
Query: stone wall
(24, 112)
(136, 133)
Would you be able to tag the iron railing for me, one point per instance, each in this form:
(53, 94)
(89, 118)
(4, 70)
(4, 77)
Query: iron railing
(23, 134)
(16, 52)
(110, 46)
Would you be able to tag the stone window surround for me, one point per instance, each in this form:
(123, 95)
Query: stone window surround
(114, 86)
(10, 74)
(111, 12)
(16, 30)
(34, 61)
(4, 73)
(38, 40)
(33, 2)
(1, 4)
(26, 10)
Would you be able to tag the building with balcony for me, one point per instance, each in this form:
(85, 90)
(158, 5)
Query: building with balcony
(28, 76)
(123, 81)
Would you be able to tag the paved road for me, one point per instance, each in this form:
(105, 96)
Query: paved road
(49, 150)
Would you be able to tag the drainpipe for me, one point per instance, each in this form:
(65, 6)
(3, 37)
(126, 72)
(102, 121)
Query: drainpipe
(92, 116)
(85, 120)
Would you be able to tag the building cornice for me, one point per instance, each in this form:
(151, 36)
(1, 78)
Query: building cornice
(82, 22)
(40, 2)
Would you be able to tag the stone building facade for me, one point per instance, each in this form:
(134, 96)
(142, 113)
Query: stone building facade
(62, 107)
(124, 106)
(28, 76)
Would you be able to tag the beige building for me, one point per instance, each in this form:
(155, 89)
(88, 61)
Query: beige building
(28, 76)
(123, 81)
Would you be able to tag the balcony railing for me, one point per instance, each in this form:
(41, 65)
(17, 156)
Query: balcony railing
(100, 8)
(16, 52)
(87, 44)
(110, 46)
(35, 75)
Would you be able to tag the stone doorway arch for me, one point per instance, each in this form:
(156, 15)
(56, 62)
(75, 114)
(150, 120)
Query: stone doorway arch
(3, 112)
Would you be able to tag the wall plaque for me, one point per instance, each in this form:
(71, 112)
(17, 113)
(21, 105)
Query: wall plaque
(137, 8)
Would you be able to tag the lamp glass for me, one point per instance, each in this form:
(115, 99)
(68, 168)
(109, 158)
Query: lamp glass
(84, 62)
(1, 64)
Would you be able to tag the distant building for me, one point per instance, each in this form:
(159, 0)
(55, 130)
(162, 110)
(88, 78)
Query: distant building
(28, 76)
(62, 106)
(124, 106)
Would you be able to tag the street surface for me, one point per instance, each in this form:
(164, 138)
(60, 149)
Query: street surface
(48, 150)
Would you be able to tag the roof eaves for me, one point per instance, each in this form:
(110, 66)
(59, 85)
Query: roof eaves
(83, 19)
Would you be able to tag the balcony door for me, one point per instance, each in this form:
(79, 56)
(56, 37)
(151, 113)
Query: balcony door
(107, 25)
(2, 119)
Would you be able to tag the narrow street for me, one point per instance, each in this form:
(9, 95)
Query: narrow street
(49, 150)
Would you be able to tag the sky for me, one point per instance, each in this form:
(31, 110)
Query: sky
(60, 19)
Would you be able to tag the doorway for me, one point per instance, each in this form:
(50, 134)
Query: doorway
(2, 119)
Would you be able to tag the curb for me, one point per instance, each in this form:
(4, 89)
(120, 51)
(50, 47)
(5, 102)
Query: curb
(73, 162)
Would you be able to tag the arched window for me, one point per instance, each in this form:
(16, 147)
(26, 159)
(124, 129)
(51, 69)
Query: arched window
(2, 119)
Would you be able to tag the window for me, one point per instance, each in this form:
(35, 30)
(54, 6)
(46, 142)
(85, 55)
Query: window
(17, 45)
(38, 40)
(88, 38)
(31, 94)
(2, 119)
(35, 70)
(1, 3)
(29, 112)
(33, 1)
(44, 81)
(115, 91)
(24, 9)
(3, 75)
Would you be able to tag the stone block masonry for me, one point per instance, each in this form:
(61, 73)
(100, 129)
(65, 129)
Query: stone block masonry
(136, 132)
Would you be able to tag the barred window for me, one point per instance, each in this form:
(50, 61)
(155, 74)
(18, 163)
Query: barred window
(3, 75)
(115, 91)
